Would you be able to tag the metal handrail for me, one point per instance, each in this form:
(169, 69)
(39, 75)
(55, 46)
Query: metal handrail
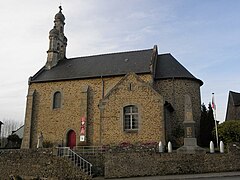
(76, 159)
(89, 149)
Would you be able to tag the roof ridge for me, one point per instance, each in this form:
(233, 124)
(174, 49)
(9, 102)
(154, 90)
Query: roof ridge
(234, 92)
(122, 52)
(235, 97)
(167, 53)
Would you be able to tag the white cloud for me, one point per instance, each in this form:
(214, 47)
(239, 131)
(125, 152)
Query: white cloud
(201, 35)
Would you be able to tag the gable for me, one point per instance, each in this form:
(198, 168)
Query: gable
(233, 106)
(235, 98)
(134, 84)
(132, 91)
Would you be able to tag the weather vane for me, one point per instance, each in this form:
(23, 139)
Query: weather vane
(60, 8)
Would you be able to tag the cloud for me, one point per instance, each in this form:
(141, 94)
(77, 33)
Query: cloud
(204, 36)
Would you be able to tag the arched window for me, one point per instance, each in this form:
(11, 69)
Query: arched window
(57, 100)
(130, 118)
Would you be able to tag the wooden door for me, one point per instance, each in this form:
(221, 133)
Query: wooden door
(71, 139)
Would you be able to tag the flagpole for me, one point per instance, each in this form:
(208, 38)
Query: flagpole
(215, 117)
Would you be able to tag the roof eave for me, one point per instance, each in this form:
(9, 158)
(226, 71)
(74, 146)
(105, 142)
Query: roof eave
(187, 78)
(84, 77)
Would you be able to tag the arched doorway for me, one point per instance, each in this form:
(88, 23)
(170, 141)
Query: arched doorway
(71, 139)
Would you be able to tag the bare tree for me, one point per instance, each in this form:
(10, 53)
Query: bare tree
(8, 126)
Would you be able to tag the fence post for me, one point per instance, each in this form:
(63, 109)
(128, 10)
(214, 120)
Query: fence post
(211, 147)
(169, 147)
(221, 147)
(160, 147)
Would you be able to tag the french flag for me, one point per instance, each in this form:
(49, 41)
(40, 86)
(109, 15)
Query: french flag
(213, 103)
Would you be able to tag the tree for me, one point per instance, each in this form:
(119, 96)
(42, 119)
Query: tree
(229, 131)
(8, 126)
(13, 141)
(206, 125)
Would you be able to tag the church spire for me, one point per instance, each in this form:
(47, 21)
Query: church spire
(57, 41)
(59, 20)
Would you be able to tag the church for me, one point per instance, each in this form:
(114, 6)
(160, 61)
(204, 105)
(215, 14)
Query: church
(135, 96)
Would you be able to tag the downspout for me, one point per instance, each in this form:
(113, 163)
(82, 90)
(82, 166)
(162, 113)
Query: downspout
(101, 107)
(173, 119)
(165, 124)
(102, 87)
(173, 91)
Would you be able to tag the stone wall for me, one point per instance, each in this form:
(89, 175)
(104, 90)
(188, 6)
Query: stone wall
(131, 164)
(150, 113)
(55, 123)
(97, 160)
(37, 163)
(42, 163)
(174, 91)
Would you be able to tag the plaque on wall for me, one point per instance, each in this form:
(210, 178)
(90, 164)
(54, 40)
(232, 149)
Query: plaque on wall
(82, 138)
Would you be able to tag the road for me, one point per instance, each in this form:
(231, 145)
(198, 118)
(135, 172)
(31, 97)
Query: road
(207, 176)
(222, 178)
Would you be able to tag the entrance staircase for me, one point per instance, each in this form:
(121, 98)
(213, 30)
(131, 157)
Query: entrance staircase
(95, 155)
(76, 159)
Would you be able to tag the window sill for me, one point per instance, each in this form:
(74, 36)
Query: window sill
(54, 109)
(131, 131)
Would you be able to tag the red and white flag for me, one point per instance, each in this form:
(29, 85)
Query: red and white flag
(213, 103)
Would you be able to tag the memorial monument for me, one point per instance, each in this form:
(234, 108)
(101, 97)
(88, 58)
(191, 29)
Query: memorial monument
(190, 142)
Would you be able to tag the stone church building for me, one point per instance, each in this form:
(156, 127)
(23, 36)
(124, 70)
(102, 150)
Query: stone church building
(134, 96)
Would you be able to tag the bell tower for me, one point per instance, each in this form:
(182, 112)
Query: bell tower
(57, 41)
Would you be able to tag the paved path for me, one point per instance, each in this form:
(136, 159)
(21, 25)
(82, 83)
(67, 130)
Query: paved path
(223, 175)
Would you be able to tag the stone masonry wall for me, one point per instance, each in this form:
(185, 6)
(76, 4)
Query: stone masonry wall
(37, 163)
(151, 164)
(26, 143)
(174, 91)
(55, 123)
(150, 113)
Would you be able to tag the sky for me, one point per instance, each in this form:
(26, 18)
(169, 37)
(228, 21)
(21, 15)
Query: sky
(204, 36)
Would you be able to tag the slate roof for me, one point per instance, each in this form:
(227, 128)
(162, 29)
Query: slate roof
(168, 67)
(97, 66)
(114, 64)
(235, 97)
(19, 131)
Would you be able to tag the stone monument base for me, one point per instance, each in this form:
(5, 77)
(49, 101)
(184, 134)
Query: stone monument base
(190, 147)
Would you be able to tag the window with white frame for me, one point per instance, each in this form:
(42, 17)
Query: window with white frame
(130, 118)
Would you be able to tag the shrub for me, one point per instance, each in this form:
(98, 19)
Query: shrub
(47, 144)
(229, 131)
(13, 141)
